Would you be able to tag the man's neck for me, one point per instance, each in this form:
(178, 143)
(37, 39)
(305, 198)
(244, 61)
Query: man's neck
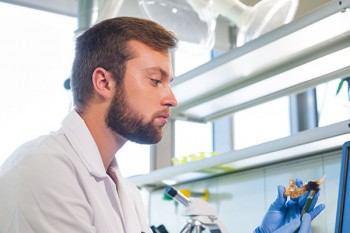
(107, 141)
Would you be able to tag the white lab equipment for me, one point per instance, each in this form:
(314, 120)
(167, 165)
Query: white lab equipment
(201, 214)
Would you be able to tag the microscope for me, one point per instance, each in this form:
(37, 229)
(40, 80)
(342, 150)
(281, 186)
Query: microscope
(201, 215)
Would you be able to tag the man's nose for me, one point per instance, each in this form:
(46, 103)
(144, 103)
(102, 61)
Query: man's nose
(169, 98)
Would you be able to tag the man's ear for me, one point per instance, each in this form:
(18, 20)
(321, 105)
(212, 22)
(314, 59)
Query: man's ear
(103, 83)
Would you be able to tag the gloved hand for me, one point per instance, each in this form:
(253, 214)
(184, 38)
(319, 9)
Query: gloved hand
(282, 212)
(291, 227)
(305, 226)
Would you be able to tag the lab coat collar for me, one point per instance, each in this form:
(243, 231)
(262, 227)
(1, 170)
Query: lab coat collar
(130, 201)
(83, 143)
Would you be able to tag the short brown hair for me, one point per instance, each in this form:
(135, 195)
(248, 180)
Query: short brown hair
(106, 45)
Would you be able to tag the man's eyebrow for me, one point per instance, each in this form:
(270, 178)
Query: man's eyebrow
(163, 73)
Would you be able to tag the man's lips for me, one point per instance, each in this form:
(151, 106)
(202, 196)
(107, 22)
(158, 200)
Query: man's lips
(163, 117)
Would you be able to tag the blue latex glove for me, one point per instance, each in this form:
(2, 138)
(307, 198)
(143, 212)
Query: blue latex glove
(291, 227)
(282, 212)
(305, 226)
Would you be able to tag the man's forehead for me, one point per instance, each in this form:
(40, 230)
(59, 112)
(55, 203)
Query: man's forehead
(138, 50)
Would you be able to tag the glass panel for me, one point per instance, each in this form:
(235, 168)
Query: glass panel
(262, 123)
(134, 159)
(35, 60)
(333, 107)
(187, 60)
(192, 138)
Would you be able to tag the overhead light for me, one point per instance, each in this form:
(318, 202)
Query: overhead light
(194, 21)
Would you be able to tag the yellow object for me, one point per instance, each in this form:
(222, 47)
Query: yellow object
(188, 193)
(206, 195)
(192, 157)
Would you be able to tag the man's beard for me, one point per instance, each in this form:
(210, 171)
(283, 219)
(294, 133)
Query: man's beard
(129, 124)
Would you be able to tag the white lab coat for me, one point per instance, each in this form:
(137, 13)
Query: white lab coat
(57, 183)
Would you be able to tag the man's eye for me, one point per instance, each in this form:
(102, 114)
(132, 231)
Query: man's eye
(155, 81)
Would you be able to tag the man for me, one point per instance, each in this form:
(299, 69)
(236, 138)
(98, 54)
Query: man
(69, 181)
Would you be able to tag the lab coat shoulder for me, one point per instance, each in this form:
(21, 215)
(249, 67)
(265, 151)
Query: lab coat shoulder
(42, 184)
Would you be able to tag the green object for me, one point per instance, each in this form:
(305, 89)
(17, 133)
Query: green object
(166, 197)
(341, 85)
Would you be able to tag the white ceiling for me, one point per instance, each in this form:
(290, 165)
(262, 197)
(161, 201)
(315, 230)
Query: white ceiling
(66, 7)
(70, 7)
(131, 8)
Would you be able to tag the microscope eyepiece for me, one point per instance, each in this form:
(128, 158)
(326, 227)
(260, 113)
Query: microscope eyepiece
(177, 196)
(171, 191)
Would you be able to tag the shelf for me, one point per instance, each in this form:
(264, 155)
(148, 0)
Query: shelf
(311, 50)
(313, 141)
(285, 61)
